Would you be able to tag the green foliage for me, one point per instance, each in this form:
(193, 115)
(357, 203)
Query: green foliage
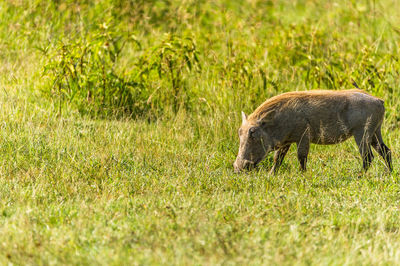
(171, 60)
(243, 54)
(82, 72)
(156, 185)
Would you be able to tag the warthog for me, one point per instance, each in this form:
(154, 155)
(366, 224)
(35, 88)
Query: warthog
(320, 117)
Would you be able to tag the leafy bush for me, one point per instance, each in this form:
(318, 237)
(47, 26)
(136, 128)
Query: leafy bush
(168, 62)
(83, 72)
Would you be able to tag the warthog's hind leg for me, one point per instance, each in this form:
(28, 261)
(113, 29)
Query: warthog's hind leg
(382, 149)
(364, 146)
(278, 158)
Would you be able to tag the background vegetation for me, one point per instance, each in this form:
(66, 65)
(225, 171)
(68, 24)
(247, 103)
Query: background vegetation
(119, 129)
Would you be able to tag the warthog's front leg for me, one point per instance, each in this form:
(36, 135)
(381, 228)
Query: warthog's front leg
(278, 158)
(303, 147)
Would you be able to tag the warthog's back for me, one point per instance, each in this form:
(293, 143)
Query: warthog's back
(327, 116)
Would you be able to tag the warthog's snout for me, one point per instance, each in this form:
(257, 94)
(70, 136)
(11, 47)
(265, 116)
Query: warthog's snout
(242, 164)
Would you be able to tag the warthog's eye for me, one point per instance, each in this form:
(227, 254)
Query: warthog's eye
(253, 132)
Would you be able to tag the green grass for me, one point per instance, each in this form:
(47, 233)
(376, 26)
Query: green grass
(157, 186)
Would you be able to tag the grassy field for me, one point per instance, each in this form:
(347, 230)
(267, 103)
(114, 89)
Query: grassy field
(119, 129)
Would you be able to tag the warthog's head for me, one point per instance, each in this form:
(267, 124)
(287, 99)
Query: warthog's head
(254, 145)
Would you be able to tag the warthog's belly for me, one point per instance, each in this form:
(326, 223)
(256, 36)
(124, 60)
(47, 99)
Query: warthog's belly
(327, 140)
(330, 133)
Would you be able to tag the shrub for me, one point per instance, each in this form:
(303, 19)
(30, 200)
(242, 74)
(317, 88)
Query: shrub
(82, 73)
(167, 64)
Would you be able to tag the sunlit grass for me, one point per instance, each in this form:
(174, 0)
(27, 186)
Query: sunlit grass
(160, 188)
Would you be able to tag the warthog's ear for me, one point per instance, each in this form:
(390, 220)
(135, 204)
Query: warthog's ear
(244, 118)
(267, 118)
(269, 114)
